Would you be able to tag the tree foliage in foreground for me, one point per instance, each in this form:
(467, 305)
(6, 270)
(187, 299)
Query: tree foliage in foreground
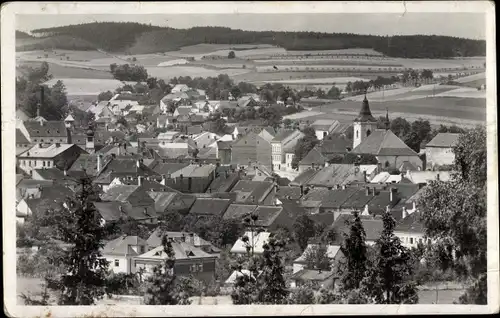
(454, 213)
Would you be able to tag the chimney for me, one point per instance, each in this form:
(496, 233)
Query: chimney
(58, 145)
(405, 213)
(392, 193)
(139, 180)
(99, 163)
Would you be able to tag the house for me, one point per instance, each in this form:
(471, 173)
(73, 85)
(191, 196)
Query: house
(373, 227)
(180, 88)
(61, 156)
(246, 101)
(194, 239)
(192, 178)
(333, 253)
(255, 243)
(254, 192)
(49, 174)
(389, 150)
(163, 121)
(224, 152)
(251, 149)
(224, 181)
(317, 278)
(231, 280)
(324, 127)
(303, 178)
(189, 261)
(439, 151)
(168, 136)
(209, 207)
(336, 175)
(410, 229)
(30, 188)
(121, 251)
(182, 110)
(123, 167)
(205, 139)
(45, 132)
(284, 141)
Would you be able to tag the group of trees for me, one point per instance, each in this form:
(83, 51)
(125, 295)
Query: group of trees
(29, 94)
(115, 37)
(126, 72)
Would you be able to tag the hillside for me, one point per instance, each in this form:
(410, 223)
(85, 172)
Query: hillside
(135, 38)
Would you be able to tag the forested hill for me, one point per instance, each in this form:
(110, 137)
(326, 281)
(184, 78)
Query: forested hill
(138, 38)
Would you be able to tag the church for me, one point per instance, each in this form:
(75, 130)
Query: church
(390, 151)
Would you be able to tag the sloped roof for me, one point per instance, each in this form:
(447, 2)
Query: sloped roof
(384, 143)
(407, 166)
(156, 237)
(169, 168)
(324, 124)
(314, 157)
(267, 214)
(411, 223)
(418, 177)
(184, 110)
(304, 177)
(292, 192)
(257, 189)
(210, 206)
(223, 182)
(114, 210)
(48, 129)
(444, 140)
(373, 226)
(329, 198)
(162, 199)
(20, 137)
(283, 134)
(182, 251)
(46, 152)
(239, 211)
(120, 193)
(312, 275)
(334, 174)
(334, 145)
(121, 246)
(51, 174)
(331, 252)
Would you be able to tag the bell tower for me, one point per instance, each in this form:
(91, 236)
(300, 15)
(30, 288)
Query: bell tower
(364, 124)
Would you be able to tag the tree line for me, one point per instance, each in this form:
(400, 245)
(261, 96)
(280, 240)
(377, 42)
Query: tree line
(119, 37)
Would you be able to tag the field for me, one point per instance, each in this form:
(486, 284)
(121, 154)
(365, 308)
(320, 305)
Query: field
(81, 86)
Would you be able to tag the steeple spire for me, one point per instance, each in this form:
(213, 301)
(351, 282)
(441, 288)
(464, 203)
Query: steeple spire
(365, 114)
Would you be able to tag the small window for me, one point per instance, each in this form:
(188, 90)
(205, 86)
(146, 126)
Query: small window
(48, 163)
(411, 240)
(143, 249)
(41, 140)
(51, 140)
(368, 132)
(30, 163)
(117, 262)
(43, 163)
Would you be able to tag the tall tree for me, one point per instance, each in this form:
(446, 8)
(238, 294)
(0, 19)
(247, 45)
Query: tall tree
(79, 224)
(388, 279)
(354, 250)
(303, 230)
(304, 145)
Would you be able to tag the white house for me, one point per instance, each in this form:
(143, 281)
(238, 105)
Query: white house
(410, 229)
(180, 88)
(439, 151)
(324, 127)
(120, 252)
(332, 252)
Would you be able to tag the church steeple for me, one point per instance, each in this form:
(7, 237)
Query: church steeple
(365, 113)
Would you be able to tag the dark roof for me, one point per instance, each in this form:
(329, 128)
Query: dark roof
(365, 114)
(334, 174)
(31, 183)
(411, 223)
(314, 156)
(210, 206)
(372, 226)
(51, 174)
(304, 177)
(228, 104)
(239, 211)
(194, 129)
(357, 200)
(224, 182)
(48, 129)
(156, 237)
(334, 145)
(110, 211)
(258, 189)
(444, 140)
(383, 142)
(119, 193)
(285, 192)
(224, 145)
(267, 214)
(169, 168)
(283, 134)
(20, 137)
(330, 198)
(122, 246)
(87, 162)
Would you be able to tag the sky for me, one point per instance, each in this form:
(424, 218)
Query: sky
(465, 25)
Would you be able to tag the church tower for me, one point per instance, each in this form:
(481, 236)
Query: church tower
(364, 124)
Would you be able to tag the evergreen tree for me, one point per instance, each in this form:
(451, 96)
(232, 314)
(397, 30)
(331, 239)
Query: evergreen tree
(355, 252)
(388, 279)
(79, 224)
(266, 283)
